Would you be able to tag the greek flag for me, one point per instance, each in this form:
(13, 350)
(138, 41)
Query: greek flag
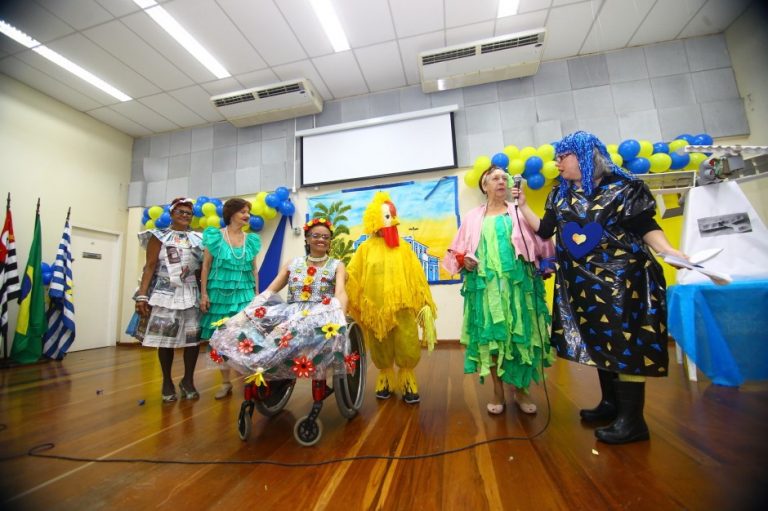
(61, 312)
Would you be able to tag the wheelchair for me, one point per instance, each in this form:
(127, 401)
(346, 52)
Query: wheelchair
(270, 399)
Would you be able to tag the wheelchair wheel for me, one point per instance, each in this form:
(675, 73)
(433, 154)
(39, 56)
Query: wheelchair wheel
(280, 393)
(245, 420)
(307, 431)
(350, 388)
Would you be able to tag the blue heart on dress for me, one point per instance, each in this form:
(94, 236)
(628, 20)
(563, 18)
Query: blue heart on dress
(581, 240)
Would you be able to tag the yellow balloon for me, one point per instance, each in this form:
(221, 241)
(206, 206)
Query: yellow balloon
(612, 148)
(546, 152)
(482, 163)
(260, 197)
(202, 222)
(472, 178)
(512, 152)
(677, 145)
(549, 171)
(213, 220)
(527, 152)
(516, 166)
(195, 223)
(257, 208)
(209, 208)
(696, 159)
(646, 149)
(660, 162)
(616, 159)
(269, 213)
(245, 228)
(150, 224)
(155, 212)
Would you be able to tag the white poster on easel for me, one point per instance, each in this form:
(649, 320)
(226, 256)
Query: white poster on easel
(720, 216)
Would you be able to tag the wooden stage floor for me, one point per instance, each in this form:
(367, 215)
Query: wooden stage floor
(708, 448)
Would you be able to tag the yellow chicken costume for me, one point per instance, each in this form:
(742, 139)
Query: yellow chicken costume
(389, 298)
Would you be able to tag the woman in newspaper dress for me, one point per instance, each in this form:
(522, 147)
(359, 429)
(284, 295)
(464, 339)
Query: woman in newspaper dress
(275, 340)
(173, 258)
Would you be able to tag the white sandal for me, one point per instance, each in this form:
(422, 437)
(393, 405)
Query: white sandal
(224, 391)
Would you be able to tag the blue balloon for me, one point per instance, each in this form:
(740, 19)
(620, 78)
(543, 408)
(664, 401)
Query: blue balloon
(163, 221)
(287, 208)
(533, 164)
(282, 193)
(197, 210)
(687, 137)
(222, 223)
(47, 277)
(702, 139)
(535, 180)
(500, 160)
(638, 165)
(661, 147)
(167, 208)
(679, 160)
(144, 219)
(629, 149)
(272, 200)
(256, 223)
(45, 267)
(220, 210)
(203, 199)
(216, 201)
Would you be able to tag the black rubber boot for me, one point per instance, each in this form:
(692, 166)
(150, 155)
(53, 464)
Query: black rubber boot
(629, 425)
(606, 409)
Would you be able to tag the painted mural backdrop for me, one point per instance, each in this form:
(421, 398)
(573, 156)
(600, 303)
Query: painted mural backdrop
(428, 212)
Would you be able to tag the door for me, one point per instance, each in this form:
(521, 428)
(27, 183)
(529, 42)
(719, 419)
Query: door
(95, 287)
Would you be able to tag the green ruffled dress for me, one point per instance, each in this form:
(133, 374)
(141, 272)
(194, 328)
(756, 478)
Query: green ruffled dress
(505, 314)
(230, 280)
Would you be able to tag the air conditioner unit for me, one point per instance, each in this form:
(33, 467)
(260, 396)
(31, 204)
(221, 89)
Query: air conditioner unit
(275, 102)
(489, 60)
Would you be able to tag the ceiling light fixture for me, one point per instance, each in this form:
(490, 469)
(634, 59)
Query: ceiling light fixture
(184, 38)
(508, 8)
(60, 60)
(330, 23)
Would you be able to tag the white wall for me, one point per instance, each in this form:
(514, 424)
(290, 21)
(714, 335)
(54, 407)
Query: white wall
(65, 158)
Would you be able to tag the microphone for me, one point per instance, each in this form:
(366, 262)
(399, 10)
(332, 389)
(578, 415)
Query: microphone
(517, 180)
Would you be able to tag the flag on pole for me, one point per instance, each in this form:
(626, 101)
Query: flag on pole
(30, 325)
(9, 273)
(61, 311)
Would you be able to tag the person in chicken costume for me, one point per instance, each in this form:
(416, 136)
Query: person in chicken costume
(389, 298)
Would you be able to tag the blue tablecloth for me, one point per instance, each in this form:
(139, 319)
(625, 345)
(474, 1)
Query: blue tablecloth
(723, 329)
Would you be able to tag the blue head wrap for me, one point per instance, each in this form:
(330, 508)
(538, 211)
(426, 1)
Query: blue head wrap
(582, 145)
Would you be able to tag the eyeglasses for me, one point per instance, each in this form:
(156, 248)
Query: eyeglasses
(561, 157)
(182, 212)
(318, 236)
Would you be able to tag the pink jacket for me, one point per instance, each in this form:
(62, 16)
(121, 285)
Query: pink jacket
(468, 238)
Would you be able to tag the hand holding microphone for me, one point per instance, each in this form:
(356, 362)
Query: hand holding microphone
(517, 180)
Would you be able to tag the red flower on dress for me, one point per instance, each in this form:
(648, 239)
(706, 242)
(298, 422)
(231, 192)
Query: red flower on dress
(311, 270)
(351, 362)
(259, 312)
(323, 279)
(245, 346)
(216, 357)
(326, 300)
(306, 289)
(295, 279)
(303, 367)
(285, 340)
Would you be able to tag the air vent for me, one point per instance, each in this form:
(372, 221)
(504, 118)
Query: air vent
(510, 43)
(233, 100)
(278, 91)
(448, 55)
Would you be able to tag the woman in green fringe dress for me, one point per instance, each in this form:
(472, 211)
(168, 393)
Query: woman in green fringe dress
(229, 279)
(506, 322)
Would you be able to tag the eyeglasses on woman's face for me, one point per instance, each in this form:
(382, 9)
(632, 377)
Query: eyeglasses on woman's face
(561, 157)
(318, 236)
(182, 212)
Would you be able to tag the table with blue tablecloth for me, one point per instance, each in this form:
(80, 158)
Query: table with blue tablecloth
(723, 329)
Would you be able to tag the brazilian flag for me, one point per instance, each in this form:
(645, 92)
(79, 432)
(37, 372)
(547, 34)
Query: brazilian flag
(31, 323)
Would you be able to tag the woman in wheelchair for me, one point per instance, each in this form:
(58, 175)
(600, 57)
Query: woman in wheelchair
(273, 342)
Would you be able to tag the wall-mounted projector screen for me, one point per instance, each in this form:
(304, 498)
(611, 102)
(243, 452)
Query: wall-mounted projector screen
(385, 146)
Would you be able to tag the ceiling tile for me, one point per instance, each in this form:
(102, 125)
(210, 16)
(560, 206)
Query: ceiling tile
(33, 20)
(119, 7)
(664, 21)
(167, 106)
(117, 121)
(269, 32)
(381, 65)
(304, 25)
(27, 74)
(412, 46)
(341, 74)
(221, 86)
(129, 48)
(461, 12)
(365, 23)
(617, 21)
(199, 101)
(714, 17)
(141, 114)
(303, 69)
(412, 18)
(520, 22)
(533, 5)
(567, 28)
(469, 33)
(258, 78)
(78, 13)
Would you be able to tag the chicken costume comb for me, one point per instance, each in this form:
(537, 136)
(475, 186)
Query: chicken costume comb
(373, 217)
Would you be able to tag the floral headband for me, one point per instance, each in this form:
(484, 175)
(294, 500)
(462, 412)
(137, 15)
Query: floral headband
(179, 202)
(318, 221)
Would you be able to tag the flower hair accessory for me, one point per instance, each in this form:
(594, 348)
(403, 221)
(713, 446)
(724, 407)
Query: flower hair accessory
(179, 201)
(318, 221)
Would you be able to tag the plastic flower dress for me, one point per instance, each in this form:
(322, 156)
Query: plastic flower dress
(275, 340)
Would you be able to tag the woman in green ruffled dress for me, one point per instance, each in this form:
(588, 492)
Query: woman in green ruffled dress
(229, 279)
